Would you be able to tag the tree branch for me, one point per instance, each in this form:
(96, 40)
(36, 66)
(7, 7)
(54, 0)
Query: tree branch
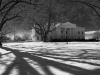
(11, 7)
(90, 5)
(36, 23)
(3, 20)
(6, 5)
(86, 3)
(52, 29)
(0, 2)
(30, 3)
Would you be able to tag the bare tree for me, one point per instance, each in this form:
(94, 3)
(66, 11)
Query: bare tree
(7, 10)
(26, 37)
(17, 38)
(45, 17)
(7, 29)
(91, 7)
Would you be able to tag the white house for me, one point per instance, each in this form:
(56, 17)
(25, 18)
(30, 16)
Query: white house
(64, 31)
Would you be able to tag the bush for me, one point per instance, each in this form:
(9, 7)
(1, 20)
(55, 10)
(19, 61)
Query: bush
(74, 40)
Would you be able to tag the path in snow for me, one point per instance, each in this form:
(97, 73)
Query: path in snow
(50, 59)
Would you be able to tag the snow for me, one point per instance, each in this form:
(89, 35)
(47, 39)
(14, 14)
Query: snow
(90, 32)
(85, 56)
(57, 71)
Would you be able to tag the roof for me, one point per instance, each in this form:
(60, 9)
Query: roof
(66, 24)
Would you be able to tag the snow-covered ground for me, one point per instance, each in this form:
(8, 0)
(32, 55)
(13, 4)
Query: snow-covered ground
(38, 58)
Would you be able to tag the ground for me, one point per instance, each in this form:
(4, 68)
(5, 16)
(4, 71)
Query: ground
(38, 58)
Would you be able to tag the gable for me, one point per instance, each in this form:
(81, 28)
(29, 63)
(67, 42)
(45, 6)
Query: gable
(68, 24)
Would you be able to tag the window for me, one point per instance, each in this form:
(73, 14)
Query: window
(71, 28)
(61, 31)
(82, 32)
(51, 38)
(37, 37)
(66, 32)
(78, 32)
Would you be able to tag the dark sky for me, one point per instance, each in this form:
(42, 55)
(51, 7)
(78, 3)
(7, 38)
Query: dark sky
(88, 25)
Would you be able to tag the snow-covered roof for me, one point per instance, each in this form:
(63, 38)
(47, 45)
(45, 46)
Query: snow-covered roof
(92, 32)
(66, 24)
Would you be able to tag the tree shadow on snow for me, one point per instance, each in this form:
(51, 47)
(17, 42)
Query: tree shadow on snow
(23, 67)
(21, 64)
(26, 69)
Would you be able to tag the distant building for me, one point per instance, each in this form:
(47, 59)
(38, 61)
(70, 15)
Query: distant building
(96, 35)
(64, 31)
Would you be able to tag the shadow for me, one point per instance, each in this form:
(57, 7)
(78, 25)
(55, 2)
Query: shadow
(69, 59)
(80, 56)
(64, 67)
(21, 64)
(23, 67)
(26, 69)
(83, 55)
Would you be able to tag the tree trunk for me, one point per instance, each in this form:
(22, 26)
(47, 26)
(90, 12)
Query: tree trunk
(0, 38)
(0, 44)
(45, 38)
(0, 41)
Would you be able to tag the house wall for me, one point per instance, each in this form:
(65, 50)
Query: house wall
(80, 33)
(68, 31)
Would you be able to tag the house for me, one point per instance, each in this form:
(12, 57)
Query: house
(96, 35)
(63, 31)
